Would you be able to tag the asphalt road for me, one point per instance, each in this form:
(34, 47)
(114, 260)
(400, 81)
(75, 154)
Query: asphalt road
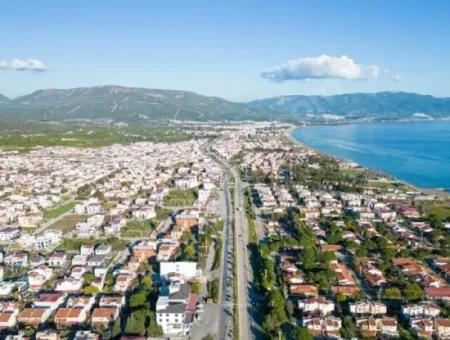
(243, 274)
(243, 269)
(226, 282)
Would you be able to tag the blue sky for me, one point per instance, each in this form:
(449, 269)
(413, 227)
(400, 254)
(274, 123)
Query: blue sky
(221, 48)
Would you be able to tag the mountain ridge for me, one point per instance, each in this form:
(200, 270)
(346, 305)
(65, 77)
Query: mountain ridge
(393, 103)
(127, 103)
(122, 103)
(4, 99)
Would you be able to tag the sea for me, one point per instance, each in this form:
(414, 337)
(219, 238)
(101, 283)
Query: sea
(416, 152)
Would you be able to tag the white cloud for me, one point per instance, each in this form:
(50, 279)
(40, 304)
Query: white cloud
(23, 65)
(322, 67)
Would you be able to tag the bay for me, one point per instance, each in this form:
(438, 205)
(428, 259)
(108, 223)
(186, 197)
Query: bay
(416, 152)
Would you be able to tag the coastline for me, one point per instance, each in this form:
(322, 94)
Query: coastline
(439, 193)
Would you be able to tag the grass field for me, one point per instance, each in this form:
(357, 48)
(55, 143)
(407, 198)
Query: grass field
(351, 172)
(85, 137)
(162, 213)
(179, 197)
(73, 244)
(68, 223)
(59, 210)
(108, 205)
(137, 228)
(441, 211)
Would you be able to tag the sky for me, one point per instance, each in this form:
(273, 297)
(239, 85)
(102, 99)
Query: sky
(238, 50)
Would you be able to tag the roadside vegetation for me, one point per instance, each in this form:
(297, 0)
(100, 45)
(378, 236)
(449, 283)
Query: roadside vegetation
(213, 290)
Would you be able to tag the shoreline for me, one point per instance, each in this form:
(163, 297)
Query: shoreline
(439, 193)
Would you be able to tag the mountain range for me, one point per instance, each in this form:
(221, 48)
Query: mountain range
(376, 105)
(125, 104)
(139, 104)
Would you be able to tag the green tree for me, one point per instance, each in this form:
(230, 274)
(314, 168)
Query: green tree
(328, 256)
(90, 290)
(189, 252)
(195, 287)
(388, 253)
(147, 282)
(154, 329)
(435, 221)
(309, 258)
(361, 252)
(349, 330)
(144, 267)
(136, 323)
(302, 333)
(335, 235)
(340, 298)
(116, 329)
(392, 293)
(83, 191)
(88, 278)
(413, 292)
(138, 299)
(436, 235)
(100, 195)
(277, 305)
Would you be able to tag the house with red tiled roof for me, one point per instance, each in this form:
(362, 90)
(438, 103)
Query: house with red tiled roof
(303, 290)
(123, 283)
(442, 327)
(330, 247)
(83, 301)
(388, 326)
(103, 316)
(65, 317)
(367, 326)
(439, 293)
(346, 290)
(49, 300)
(57, 260)
(423, 327)
(34, 316)
(344, 275)
(9, 310)
(117, 301)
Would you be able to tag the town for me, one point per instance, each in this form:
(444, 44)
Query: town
(237, 233)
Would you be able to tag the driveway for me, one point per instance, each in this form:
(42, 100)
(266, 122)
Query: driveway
(208, 324)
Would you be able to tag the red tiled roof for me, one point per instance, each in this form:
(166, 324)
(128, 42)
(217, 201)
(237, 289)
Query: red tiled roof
(192, 303)
(436, 292)
(49, 297)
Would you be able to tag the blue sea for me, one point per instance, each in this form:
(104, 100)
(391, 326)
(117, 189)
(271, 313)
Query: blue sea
(416, 152)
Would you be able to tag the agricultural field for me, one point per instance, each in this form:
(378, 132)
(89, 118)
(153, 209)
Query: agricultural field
(24, 141)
